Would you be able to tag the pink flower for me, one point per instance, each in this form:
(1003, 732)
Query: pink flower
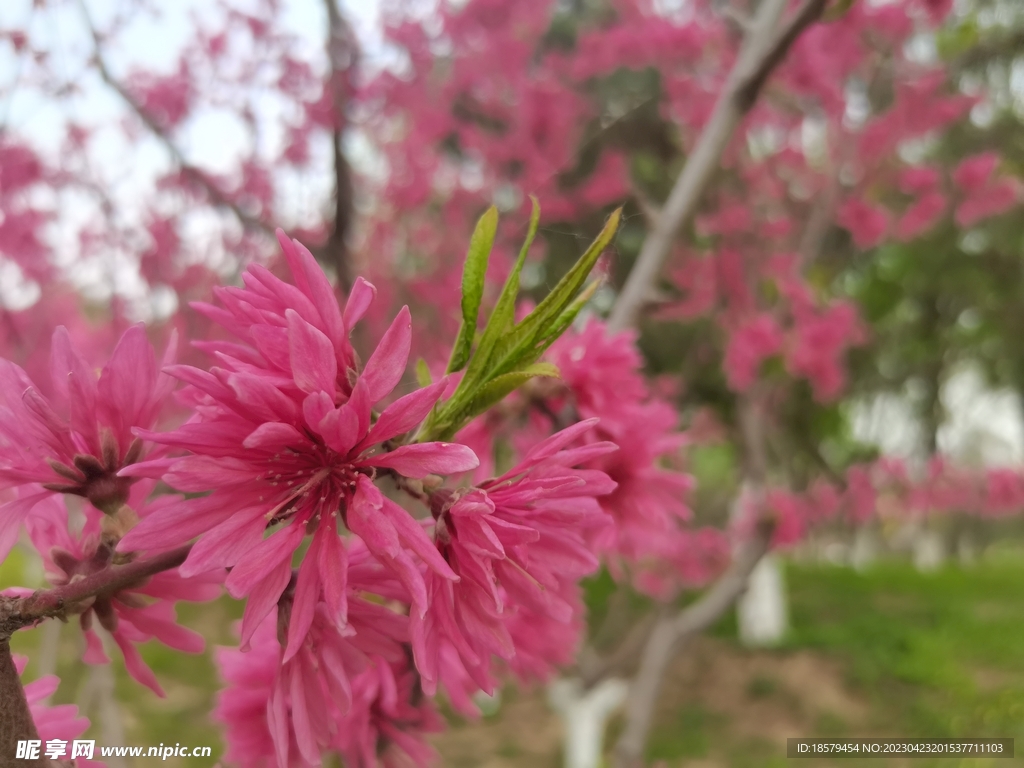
(973, 173)
(682, 559)
(862, 498)
(284, 437)
(751, 344)
(602, 373)
(918, 180)
(78, 442)
(983, 197)
(544, 642)
(991, 201)
(289, 708)
(649, 501)
(60, 722)
(820, 341)
(132, 616)
(519, 540)
(1004, 491)
(599, 369)
(867, 223)
(388, 720)
(242, 702)
(921, 216)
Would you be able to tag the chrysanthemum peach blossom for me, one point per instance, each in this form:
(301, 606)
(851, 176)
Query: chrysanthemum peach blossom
(285, 439)
(77, 442)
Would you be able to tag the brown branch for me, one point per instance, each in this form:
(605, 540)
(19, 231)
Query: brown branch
(594, 669)
(60, 602)
(670, 633)
(763, 49)
(16, 723)
(341, 54)
(191, 172)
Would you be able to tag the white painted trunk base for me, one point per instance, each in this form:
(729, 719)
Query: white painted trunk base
(585, 714)
(762, 611)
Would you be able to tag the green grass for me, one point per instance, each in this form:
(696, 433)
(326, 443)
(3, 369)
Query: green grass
(931, 655)
(936, 655)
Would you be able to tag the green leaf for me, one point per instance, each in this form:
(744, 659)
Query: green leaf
(473, 286)
(567, 317)
(497, 389)
(524, 337)
(423, 377)
(502, 317)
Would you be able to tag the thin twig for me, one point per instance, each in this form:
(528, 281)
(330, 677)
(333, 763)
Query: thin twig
(191, 172)
(60, 602)
(763, 49)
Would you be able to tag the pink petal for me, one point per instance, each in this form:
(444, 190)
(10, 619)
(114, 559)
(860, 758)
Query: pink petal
(12, 514)
(300, 718)
(137, 667)
(154, 468)
(175, 525)
(126, 381)
(94, 653)
(315, 409)
(263, 599)
(277, 721)
(65, 362)
(263, 559)
(333, 565)
(314, 365)
(387, 364)
(263, 400)
(421, 459)
(274, 436)
(312, 281)
(415, 538)
(307, 594)
(359, 300)
(405, 413)
(167, 632)
(344, 427)
(225, 544)
(549, 447)
(365, 520)
(273, 344)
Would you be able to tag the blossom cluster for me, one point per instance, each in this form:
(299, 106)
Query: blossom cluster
(292, 478)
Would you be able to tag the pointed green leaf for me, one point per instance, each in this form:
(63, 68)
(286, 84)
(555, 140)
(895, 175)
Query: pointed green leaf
(502, 317)
(567, 317)
(473, 286)
(496, 390)
(423, 377)
(518, 344)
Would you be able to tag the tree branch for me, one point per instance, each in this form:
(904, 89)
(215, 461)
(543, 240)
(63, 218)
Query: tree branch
(191, 172)
(670, 633)
(60, 602)
(763, 49)
(16, 723)
(341, 53)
